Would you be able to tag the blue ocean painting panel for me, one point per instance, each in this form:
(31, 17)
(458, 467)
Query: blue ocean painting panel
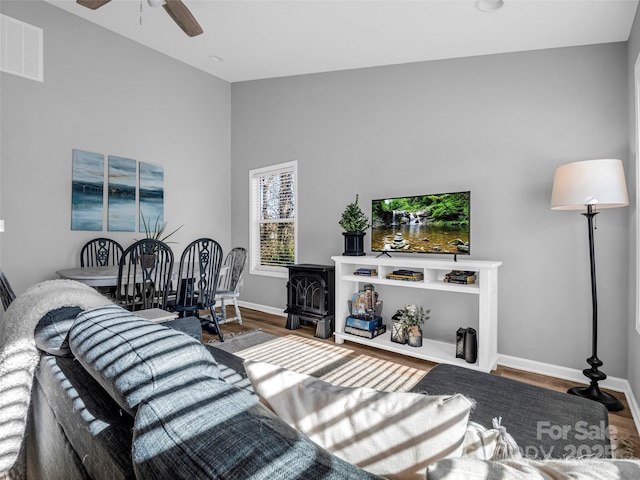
(122, 194)
(87, 205)
(151, 186)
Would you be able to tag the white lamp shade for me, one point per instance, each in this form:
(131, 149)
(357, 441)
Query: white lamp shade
(590, 182)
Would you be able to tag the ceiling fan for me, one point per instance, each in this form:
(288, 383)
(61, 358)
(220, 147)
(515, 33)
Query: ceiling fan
(175, 8)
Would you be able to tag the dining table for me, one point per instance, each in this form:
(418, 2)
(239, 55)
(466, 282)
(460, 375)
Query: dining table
(106, 276)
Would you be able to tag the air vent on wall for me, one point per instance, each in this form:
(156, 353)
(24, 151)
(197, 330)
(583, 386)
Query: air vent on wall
(21, 48)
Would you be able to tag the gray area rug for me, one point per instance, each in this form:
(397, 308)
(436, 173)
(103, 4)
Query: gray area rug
(242, 341)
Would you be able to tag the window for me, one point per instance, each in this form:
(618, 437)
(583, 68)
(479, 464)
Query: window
(273, 229)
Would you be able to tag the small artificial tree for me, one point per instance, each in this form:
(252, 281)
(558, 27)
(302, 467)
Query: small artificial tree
(353, 219)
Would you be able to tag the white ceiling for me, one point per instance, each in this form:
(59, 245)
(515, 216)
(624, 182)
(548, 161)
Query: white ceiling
(264, 39)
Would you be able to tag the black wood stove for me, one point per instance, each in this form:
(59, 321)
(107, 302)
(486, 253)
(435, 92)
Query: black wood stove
(310, 297)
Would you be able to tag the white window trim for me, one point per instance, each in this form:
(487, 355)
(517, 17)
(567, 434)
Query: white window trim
(637, 160)
(254, 238)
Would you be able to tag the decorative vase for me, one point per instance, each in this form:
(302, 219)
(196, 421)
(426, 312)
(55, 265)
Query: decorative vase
(353, 243)
(471, 345)
(414, 334)
(398, 333)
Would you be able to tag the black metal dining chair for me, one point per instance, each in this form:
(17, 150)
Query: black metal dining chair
(230, 283)
(100, 252)
(197, 283)
(144, 275)
(6, 292)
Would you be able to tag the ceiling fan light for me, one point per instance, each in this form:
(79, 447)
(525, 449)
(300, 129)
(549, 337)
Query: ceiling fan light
(156, 3)
(489, 5)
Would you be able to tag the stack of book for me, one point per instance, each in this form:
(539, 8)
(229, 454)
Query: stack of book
(460, 276)
(366, 272)
(367, 328)
(407, 275)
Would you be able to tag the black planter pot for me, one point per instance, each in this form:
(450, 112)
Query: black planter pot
(353, 244)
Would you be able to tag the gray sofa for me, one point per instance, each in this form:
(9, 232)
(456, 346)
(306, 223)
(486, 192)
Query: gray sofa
(116, 396)
(128, 398)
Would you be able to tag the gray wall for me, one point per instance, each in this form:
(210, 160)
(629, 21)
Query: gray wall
(634, 337)
(497, 125)
(104, 93)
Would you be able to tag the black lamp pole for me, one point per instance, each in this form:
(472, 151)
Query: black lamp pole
(593, 391)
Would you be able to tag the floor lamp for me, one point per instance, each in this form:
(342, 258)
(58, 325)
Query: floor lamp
(591, 184)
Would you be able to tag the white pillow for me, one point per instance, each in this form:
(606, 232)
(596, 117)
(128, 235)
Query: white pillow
(479, 442)
(392, 434)
(490, 444)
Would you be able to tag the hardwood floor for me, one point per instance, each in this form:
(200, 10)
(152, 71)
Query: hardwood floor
(621, 423)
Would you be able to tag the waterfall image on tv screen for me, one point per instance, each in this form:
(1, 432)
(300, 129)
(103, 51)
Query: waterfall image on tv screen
(422, 224)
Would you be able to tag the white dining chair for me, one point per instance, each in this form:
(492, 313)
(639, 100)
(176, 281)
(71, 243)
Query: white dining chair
(230, 283)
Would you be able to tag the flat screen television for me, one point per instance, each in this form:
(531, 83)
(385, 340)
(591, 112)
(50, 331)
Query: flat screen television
(435, 223)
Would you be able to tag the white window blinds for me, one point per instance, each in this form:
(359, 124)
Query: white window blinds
(273, 218)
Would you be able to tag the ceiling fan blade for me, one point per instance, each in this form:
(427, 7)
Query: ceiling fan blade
(183, 17)
(93, 4)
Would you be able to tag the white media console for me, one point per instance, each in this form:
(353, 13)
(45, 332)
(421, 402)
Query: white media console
(434, 270)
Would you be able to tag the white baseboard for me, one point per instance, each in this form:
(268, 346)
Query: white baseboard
(262, 308)
(565, 373)
(533, 366)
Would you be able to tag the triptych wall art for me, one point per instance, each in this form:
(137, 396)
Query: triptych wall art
(132, 187)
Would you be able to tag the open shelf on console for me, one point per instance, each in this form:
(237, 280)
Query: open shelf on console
(428, 283)
(431, 350)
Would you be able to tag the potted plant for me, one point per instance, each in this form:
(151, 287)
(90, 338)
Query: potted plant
(409, 320)
(354, 222)
(155, 233)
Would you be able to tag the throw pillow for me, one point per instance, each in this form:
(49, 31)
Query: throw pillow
(392, 434)
(490, 444)
(479, 442)
(131, 357)
(52, 331)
